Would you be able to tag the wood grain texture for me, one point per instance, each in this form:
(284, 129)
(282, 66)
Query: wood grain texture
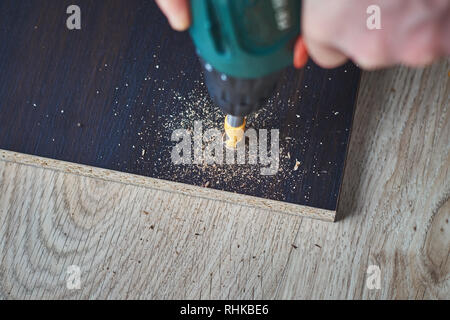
(111, 94)
(159, 184)
(136, 242)
(132, 242)
(395, 198)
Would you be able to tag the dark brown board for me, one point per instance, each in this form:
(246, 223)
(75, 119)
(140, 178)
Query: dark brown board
(100, 95)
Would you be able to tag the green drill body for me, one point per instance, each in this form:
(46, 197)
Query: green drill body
(243, 47)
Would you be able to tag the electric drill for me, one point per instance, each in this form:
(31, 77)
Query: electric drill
(243, 46)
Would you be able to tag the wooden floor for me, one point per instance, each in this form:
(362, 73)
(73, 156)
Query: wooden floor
(135, 242)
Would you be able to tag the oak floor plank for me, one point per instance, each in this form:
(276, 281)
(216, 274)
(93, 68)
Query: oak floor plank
(132, 242)
(396, 197)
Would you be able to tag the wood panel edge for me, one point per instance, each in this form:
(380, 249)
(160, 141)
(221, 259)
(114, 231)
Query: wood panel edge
(170, 186)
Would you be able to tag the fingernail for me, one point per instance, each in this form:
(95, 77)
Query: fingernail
(300, 54)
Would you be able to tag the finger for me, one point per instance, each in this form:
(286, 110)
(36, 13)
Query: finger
(323, 55)
(177, 12)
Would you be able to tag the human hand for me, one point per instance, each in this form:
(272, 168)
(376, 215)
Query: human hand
(413, 32)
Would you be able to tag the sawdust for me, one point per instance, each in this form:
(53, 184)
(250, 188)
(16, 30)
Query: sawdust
(297, 164)
(170, 108)
(196, 105)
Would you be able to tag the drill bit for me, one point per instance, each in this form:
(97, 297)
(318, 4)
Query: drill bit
(234, 130)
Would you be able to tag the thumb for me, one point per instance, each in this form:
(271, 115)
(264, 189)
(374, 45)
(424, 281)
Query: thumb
(324, 55)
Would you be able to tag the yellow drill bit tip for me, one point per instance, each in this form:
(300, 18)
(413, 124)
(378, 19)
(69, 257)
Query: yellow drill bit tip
(234, 134)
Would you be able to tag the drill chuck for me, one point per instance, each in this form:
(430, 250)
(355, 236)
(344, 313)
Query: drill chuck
(238, 96)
